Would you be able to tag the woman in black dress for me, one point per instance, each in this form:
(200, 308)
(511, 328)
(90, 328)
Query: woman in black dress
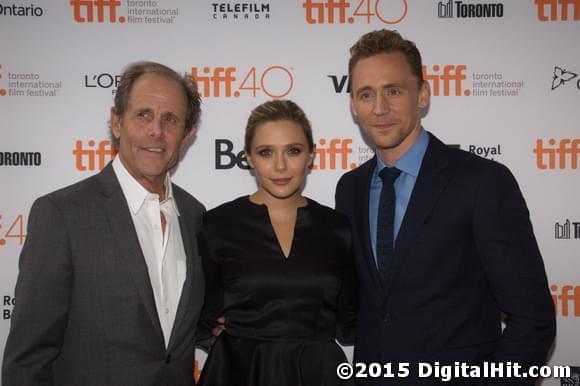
(278, 267)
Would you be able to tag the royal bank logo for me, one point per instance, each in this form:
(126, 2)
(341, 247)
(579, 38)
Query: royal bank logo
(7, 302)
(567, 230)
(562, 76)
(240, 11)
(463, 9)
(490, 152)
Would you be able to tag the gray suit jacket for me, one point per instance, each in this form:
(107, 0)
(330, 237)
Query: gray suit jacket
(85, 312)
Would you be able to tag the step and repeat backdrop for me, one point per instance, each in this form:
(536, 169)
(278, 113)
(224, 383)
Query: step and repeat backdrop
(504, 75)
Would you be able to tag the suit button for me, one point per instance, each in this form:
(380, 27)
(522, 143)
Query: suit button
(386, 317)
(168, 358)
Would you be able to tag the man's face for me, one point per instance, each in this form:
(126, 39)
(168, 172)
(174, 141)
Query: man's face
(151, 132)
(387, 101)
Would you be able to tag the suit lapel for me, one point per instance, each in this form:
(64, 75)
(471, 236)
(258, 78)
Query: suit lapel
(187, 289)
(362, 207)
(430, 183)
(125, 235)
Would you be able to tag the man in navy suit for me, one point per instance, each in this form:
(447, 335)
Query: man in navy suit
(460, 255)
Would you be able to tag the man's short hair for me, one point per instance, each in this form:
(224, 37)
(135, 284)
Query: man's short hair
(385, 42)
(134, 70)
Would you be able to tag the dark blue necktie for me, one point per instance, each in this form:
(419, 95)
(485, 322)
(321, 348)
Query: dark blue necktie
(386, 221)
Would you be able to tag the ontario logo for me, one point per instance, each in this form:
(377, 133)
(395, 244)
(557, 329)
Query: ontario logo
(17, 10)
(274, 81)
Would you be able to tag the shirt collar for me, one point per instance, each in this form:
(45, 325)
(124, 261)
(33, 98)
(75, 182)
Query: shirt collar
(410, 162)
(135, 193)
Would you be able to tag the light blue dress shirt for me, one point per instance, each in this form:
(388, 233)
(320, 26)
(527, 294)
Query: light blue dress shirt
(409, 165)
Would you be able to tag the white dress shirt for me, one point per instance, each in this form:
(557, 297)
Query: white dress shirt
(163, 251)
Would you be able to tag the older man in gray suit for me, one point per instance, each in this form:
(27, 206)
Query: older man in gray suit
(110, 284)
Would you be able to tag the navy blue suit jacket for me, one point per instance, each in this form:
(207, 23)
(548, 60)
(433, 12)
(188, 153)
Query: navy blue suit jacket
(465, 256)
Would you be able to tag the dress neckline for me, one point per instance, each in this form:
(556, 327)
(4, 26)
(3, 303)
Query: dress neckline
(299, 209)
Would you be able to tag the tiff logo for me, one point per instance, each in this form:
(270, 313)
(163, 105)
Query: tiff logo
(84, 11)
(557, 155)
(566, 300)
(211, 85)
(90, 158)
(563, 231)
(553, 5)
(333, 154)
(452, 76)
(331, 7)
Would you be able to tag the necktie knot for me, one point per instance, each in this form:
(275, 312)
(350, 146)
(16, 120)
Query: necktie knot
(389, 175)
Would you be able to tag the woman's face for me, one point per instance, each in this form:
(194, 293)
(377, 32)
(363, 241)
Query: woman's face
(280, 156)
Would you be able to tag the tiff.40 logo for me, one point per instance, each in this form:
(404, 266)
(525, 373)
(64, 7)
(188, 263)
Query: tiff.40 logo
(85, 11)
(345, 12)
(274, 81)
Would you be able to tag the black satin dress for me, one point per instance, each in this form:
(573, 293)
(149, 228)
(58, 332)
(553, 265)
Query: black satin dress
(283, 314)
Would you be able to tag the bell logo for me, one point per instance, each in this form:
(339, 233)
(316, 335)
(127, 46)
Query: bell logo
(566, 300)
(553, 5)
(344, 12)
(93, 157)
(84, 11)
(275, 82)
(561, 155)
(452, 75)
